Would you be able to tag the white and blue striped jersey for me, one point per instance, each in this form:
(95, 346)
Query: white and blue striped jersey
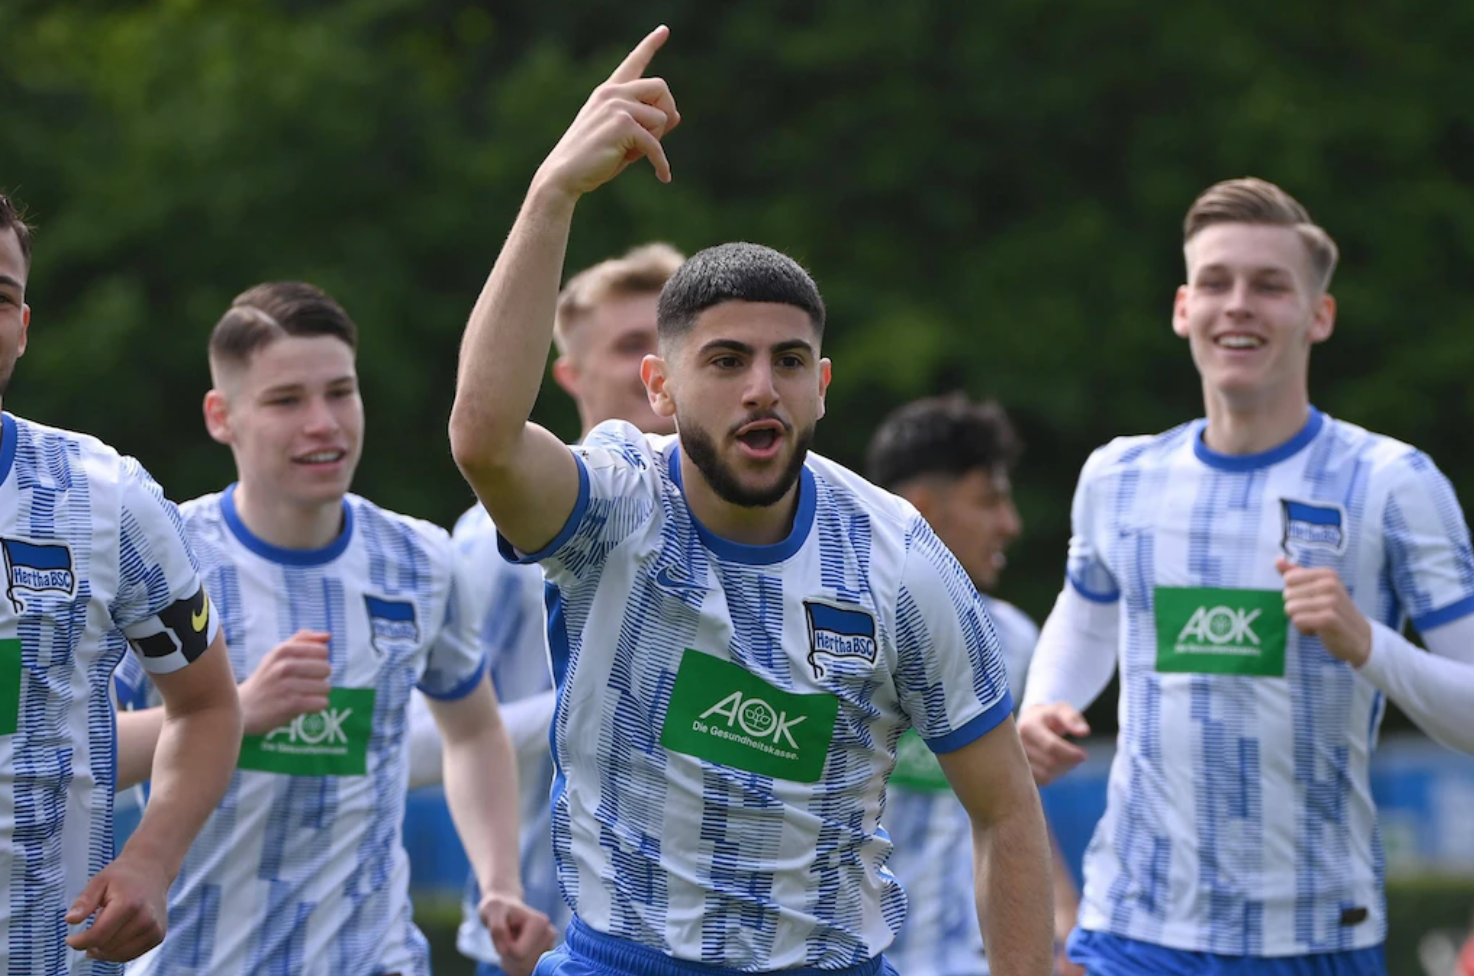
(301, 868)
(1240, 818)
(514, 636)
(728, 715)
(93, 555)
(933, 839)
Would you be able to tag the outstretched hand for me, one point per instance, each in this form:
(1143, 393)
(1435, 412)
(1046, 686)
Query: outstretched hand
(623, 120)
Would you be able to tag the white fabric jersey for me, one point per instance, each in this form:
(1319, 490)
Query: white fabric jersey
(728, 714)
(301, 868)
(1240, 817)
(933, 838)
(94, 558)
(514, 636)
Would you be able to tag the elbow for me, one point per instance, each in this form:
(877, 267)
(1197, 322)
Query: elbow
(477, 447)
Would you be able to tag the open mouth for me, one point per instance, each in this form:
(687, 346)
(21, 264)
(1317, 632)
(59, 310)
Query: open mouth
(329, 456)
(1238, 340)
(761, 438)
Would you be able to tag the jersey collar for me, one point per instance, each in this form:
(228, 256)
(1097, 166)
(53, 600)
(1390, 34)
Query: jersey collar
(1253, 462)
(736, 552)
(277, 554)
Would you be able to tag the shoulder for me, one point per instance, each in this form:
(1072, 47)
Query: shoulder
(404, 535)
(1138, 451)
(1381, 455)
(839, 487)
(55, 456)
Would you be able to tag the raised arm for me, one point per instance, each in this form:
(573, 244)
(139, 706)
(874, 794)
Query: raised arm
(526, 477)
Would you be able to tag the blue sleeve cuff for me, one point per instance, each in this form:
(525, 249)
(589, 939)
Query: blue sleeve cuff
(461, 690)
(575, 519)
(1090, 595)
(1450, 613)
(975, 729)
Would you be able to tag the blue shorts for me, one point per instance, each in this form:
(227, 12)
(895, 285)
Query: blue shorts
(1111, 955)
(585, 952)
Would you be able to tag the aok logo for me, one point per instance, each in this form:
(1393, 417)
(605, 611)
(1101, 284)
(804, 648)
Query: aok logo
(754, 717)
(1220, 626)
(324, 728)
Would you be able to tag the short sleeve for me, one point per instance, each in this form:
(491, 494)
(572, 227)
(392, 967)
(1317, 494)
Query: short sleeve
(161, 605)
(456, 662)
(1086, 568)
(1427, 544)
(510, 610)
(950, 673)
(618, 489)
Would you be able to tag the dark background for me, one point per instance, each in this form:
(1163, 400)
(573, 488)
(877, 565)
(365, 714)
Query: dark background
(990, 196)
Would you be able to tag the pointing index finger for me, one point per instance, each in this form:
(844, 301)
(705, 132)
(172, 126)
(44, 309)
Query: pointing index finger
(634, 65)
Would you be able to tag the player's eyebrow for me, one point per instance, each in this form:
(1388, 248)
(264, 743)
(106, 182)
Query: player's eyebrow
(730, 345)
(7, 280)
(793, 345)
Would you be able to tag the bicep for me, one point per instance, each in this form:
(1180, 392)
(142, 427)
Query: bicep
(467, 717)
(532, 497)
(990, 775)
(206, 682)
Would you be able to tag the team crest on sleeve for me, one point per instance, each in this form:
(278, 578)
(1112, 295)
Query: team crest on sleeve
(391, 623)
(32, 567)
(839, 633)
(1319, 525)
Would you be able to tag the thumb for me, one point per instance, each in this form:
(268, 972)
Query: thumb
(1283, 565)
(1074, 722)
(88, 901)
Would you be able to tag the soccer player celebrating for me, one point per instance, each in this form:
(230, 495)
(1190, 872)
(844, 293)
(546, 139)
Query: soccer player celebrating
(95, 562)
(1251, 573)
(740, 633)
(604, 326)
(301, 868)
(951, 458)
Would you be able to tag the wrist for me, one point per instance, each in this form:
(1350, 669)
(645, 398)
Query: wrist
(549, 198)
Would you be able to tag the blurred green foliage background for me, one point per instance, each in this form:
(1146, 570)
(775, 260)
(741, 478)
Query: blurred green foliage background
(989, 195)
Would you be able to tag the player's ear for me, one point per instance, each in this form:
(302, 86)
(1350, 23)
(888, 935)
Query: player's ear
(1323, 321)
(1179, 312)
(655, 374)
(826, 373)
(217, 416)
(25, 328)
(565, 374)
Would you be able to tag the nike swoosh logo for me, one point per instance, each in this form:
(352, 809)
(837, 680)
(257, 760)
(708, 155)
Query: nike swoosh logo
(665, 579)
(198, 618)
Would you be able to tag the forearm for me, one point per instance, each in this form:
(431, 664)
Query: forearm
(1076, 653)
(192, 765)
(1015, 902)
(481, 791)
(1434, 687)
(138, 739)
(505, 348)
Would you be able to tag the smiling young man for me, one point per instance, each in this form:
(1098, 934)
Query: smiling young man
(604, 327)
(1251, 573)
(301, 868)
(953, 459)
(740, 632)
(95, 563)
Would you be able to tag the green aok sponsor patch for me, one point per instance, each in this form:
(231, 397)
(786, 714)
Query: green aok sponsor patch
(1203, 630)
(917, 767)
(12, 673)
(724, 714)
(332, 742)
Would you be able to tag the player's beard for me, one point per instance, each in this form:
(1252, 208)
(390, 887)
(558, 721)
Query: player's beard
(701, 448)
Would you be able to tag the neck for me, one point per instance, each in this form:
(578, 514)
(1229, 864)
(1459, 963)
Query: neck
(764, 526)
(1238, 426)
(287, 525)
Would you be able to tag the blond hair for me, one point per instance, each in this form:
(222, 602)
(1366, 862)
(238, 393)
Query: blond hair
(1255, 201)
(643, 270)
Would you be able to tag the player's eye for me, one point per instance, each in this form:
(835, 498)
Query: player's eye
(726, 362)
(791, 362)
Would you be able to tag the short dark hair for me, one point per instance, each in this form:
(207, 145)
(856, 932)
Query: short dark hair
(946, 435)
(737, 272)
(265, 313)
(11, 219)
